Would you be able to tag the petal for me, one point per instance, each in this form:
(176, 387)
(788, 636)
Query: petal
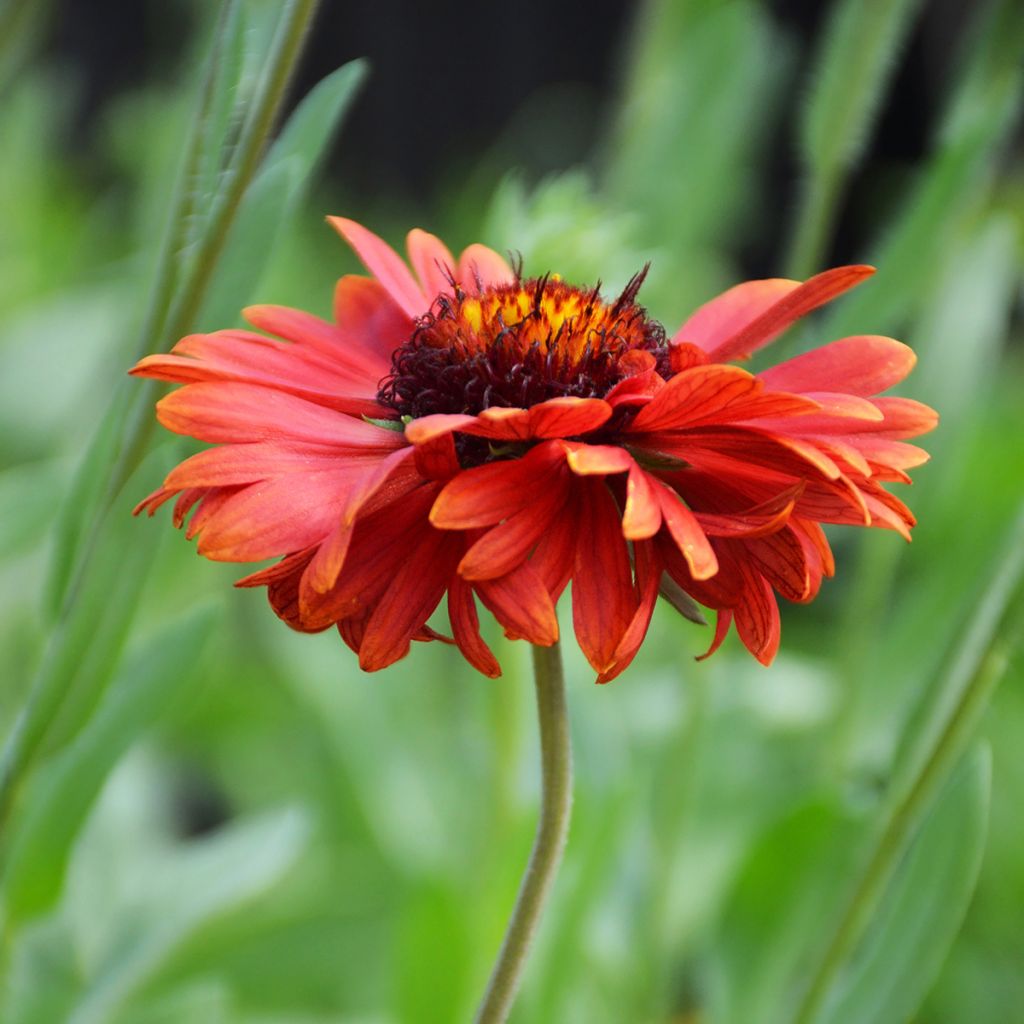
(521, 603)
(723, 620)
(598, 459)
(728, 313)
(905, 418)
(792, 304)
(862, 365)
(465, 624)
(302, 328)
(385, 264)
(603, 597)
(487, 494)
(276, 517)
(641, 516)
(711, 395)
(648, 575)
(230, 412)
(412, 595)
(433, 263)
(480, 268)
(686, 531)
(367, 315)
(757, 619)
(504, 547)
(555, 553)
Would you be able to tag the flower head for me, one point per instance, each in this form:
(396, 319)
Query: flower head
(461, 429)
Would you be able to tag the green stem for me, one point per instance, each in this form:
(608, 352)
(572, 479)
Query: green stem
(552, 830)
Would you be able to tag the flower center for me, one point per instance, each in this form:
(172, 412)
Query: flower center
(517, 345)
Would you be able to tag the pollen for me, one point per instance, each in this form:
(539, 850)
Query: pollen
(519, 344)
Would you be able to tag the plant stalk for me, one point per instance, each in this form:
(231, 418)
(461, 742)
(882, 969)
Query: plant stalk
(549, 843)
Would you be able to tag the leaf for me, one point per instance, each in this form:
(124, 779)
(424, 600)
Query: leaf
(272, 196)
(792, 875)
(28, 493)
(312, 128)
(250, 244)
(923, 906)
(158, 674)
(856, 61)
(187, 886)
(952, 183)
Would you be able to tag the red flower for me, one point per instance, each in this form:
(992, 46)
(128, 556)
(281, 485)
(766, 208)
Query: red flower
(464, 430)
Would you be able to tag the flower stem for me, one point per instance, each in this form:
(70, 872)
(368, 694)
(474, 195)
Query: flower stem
(549, 843)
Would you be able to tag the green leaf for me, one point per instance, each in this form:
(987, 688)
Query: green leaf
(270, 199)
(791, 877)
(84, 499)
(923, 906)
(250, 244)
(856, 61)
(157, 675)
(952, 184)
(312, 128)
(188, 886)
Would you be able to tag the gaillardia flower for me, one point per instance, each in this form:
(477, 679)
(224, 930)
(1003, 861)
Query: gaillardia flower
(461, 429)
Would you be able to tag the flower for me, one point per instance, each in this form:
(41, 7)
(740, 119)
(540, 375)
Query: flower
(460, 429)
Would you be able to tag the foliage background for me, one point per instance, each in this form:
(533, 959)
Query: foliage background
(224, 821)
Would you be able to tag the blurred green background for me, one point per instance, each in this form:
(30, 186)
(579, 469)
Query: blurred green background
(213, 819)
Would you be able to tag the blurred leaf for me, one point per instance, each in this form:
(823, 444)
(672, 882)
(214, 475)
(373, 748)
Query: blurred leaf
(83, 499)
(152, 679)
(923, 906)
(856, 60)
(250, 244)
(287, 170)
(948, 188)
(854, 65)
(28, 495)
(433, 956)
(791, 877)
(187, 886)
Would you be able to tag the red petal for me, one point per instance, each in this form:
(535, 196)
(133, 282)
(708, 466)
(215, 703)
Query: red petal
(686, 531)
(490, 493)
(713, 395)
(412, 595)
(432, 262)
(603, 598)
(385, 264)
(367, 315)
(480, 268)
(648, 575)
(723, 620)
(757, 619)
(302, 328)
(598, 459)
(228, 412)
(437, 459)
(504, 547)
(641, 517)
(466, 629)
(862, 365)
(521, 603)
(726, 314)
(795, 303)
